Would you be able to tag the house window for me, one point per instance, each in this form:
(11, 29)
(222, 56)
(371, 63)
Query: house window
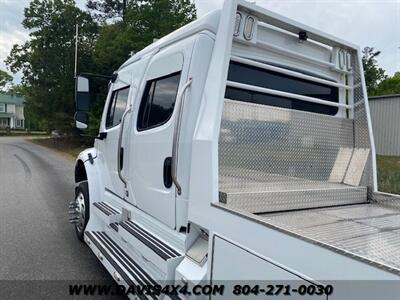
(117, 106)
(4, 122)
(273, 80)
(2, 107)
(158, 101)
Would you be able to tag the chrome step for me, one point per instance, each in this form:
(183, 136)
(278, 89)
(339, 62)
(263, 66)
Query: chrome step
(106, 208)
(155, 244)
(107, 213)
(151, 247)
(124, 269)
(114, 226)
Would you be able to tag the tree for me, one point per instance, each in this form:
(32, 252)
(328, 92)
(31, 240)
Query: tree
(157, 18)
(372, 72)
(47, 58)
(5, 80)
(107, 9)
(389, 86)
(144, 21)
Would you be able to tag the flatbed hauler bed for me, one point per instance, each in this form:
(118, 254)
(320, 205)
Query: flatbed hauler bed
(367, 232)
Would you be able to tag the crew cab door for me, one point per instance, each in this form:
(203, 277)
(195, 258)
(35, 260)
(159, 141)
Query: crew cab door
(152, 135)
(116, 105)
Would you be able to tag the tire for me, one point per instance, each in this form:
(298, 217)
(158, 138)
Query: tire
(82, 201)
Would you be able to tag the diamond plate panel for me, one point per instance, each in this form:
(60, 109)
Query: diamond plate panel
(383, 223)
(340, 167)
(244, 181)
(273, 159)
(334, 232)
(361, 132)
(382, 248)
(263, 149)
(259, 202)
(356, 166)
(359, 211)
(300, 219)
(274, 140)
(369, 232)
(387, 200)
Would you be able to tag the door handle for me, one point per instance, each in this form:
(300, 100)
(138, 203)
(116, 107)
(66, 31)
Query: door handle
(120, 149)
(167, 174)
(121, 158)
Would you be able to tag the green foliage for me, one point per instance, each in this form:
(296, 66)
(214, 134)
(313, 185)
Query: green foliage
(144, 21)
(372, 72)
(16, 89)
(106, 9)
(112, 48)
(47, 59)
(389, 86)
(5, 79)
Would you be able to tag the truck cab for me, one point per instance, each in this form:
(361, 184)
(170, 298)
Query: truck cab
(238, 148)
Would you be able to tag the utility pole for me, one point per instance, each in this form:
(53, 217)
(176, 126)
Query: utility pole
(76, 49)
(123, 9)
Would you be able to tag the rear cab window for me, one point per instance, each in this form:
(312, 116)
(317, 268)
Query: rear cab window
(254, 76)
(158, 101)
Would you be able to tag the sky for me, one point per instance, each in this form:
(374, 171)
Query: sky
(374, 23)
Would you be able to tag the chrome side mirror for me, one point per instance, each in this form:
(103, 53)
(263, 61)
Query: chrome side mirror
(82, 94)
(82, 102)
(81, 120)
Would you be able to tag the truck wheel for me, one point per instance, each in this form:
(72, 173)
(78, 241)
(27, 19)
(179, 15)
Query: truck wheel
(82, 206)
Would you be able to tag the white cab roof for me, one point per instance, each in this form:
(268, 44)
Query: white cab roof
(209, 22)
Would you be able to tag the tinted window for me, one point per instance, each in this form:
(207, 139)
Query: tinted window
(158, 101)
(273, 80)
(117, 107)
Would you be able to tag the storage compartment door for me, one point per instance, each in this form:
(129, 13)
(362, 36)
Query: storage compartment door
(233, 265)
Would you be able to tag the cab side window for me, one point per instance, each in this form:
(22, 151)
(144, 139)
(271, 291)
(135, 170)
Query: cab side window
(117, 106)
(158, 101)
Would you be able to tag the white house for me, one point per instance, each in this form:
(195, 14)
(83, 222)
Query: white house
(12, 111)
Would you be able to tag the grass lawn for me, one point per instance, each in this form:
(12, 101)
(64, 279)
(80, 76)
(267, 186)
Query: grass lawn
(388, 174)
(21, 133)
(69, 146)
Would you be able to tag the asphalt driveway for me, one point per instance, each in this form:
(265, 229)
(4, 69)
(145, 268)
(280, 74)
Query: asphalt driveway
(39, 253)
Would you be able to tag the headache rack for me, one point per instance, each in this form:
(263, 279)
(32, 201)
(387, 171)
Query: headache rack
(299, 138)
(273, 158)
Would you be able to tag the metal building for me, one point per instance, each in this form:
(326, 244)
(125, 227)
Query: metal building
(385, 115)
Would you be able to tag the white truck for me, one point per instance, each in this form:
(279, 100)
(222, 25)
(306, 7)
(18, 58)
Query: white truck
(237, 152)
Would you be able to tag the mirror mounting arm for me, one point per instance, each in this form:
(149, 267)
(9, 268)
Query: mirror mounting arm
(101, 136)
